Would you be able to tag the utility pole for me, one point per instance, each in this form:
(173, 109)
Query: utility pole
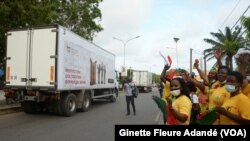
(191, 58)
(205, 65)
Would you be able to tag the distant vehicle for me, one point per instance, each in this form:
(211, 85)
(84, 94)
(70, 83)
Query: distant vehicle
(55, 69)
(142, 80)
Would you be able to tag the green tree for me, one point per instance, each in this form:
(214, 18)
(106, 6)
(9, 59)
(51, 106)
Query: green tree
(229, 43)
(78, 15)
(156, 78)
(245, 21)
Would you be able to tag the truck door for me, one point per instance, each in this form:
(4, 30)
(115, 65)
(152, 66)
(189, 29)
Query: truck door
(16, 58)
(42, 57)
(30, 60)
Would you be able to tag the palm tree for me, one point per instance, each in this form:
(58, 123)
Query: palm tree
(245, 21)
(228, 42)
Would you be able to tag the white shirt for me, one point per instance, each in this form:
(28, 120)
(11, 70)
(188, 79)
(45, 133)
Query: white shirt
(128, 89)
(194, 98)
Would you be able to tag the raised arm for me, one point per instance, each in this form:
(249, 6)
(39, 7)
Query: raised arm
(163, 73)
(218, 55)
(202, 74)
(195, 82)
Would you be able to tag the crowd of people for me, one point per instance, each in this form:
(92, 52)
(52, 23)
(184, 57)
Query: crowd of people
(225, 91)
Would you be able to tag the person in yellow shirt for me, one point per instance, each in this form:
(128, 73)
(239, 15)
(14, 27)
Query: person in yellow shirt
(218, 95)
(210, 82)
(246, 88)
(166, 87)
(165, 83)
(244, 68)
(176, 95)
(234, 110)
(180, 104)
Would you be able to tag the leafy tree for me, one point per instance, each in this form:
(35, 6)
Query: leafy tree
(77, 15)
(228, 42)
(80, 15)
(245, 21)
(156, 78)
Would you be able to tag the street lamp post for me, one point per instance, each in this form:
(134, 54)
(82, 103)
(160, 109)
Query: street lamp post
(124, 45)
(176, 40)
(191, 59)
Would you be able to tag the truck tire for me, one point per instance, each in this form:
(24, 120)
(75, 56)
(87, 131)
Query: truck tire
(85, 103)
(57, 107)
(68, 105)
(114, 96)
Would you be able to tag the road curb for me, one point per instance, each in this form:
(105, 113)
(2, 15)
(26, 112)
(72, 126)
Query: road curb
(9, 110)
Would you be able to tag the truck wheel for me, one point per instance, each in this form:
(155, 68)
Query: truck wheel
(114, 96)
(57, 107)
(85, 103)
(68, 104)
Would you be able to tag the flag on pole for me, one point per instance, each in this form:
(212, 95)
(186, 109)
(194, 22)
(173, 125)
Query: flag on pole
(167, 59)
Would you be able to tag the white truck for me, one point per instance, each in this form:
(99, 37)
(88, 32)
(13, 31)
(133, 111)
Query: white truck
(55, 69)
(142, 80)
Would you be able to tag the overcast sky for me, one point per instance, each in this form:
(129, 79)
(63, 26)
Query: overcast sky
(157, 22)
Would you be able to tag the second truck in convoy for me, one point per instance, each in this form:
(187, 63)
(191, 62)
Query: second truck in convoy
(142, 80)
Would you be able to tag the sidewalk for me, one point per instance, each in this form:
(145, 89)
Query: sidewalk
(8, 108)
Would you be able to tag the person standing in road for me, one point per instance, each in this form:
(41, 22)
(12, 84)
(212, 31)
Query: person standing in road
(129, 97)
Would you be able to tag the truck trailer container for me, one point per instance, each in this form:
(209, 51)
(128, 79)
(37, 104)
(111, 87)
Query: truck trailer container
(55, 69)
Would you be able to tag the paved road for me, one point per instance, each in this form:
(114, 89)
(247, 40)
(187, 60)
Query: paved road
(95, 125)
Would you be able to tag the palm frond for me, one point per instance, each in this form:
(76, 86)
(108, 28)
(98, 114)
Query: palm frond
(219, 36)
(210, 54)
(228, 33)
(208, 50)
(210, 58)
(212, 42)
(229, 43)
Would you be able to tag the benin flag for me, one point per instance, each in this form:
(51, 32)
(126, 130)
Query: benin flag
(171, 120)
(169, 60)
(207, 117)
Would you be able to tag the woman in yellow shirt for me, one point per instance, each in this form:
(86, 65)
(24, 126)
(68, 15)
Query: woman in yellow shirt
(218, 95)
(176, 95)
(246, 88)
(234, 110)
(244, 69)
(180, 104)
